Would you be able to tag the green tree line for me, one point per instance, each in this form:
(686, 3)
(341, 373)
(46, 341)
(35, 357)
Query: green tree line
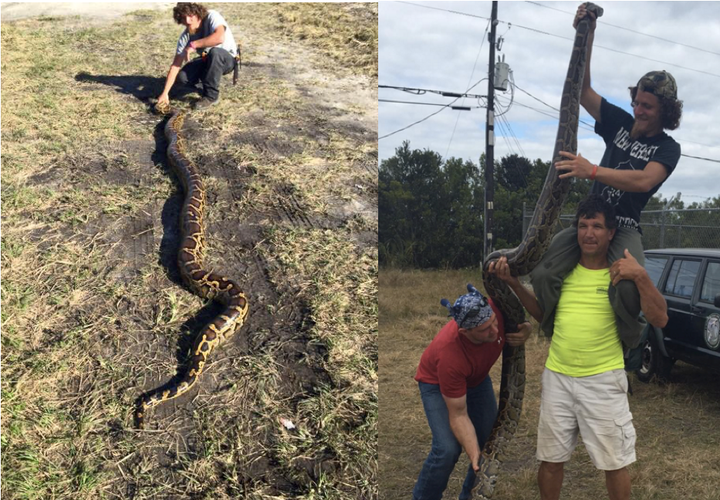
(673, 224)
(431, 209)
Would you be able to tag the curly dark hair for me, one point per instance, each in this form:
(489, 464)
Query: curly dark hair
(183, 9)
(670, 110)
(595, 204)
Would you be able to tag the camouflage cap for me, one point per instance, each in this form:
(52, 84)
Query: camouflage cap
(469, 310)
(660, 84)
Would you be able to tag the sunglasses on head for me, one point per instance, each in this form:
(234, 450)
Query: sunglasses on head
(474, 310)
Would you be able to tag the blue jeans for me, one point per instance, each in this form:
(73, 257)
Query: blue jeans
(446, 449)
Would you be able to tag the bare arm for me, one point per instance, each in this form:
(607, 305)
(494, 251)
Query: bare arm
(501, 269)
(216, 38)
(652, 302)
(632, 181)
(463, 428)
(172, 75)
(589, 99)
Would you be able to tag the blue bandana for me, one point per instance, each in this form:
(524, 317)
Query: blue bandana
(469, 310)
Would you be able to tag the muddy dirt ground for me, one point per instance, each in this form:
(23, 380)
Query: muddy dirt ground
(274, 177)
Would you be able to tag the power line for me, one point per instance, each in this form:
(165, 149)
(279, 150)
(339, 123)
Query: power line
(620, 51)
(546, 104)
(698, 143)
(658, 61)
(567, 38)
(448, 10)
(551, 115)
(421, 103)
(628, 29)
(472, 74)
(419, 121)
(503, 119)
(436, 112)
(445, 93)
(581, 124)
(536, 98)
(700, 158)
(517, 168)
(505, 135)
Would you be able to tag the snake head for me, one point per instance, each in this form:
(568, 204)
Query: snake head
(162, 108)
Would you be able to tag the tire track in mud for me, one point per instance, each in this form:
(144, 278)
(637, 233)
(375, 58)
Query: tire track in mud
(288, 209)
(278, 325)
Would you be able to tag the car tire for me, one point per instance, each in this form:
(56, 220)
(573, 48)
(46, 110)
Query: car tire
(655, 365)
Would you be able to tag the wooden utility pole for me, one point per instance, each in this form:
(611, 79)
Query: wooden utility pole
(490, 140)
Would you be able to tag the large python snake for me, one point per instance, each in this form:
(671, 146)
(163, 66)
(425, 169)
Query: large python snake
(207, 284)
(523, 259)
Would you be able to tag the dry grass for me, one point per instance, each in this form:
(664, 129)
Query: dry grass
(93, 312)
(677, 424)
(347, 37)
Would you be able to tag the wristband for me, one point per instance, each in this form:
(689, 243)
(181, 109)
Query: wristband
(192, 45)
(594, 173)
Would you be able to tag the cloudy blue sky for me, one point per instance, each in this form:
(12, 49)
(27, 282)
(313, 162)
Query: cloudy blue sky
(423, 47)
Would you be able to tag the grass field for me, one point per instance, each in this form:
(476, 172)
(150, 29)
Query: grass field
(677, 424)
(93, 311)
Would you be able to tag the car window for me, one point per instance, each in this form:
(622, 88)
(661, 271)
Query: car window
(654, 267)
(711, 284)
(681, 279)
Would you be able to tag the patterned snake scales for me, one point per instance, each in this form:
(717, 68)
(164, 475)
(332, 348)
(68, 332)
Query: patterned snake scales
(523, 259)
(206, 284)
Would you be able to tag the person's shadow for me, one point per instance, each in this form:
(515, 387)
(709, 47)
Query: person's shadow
(144, 88)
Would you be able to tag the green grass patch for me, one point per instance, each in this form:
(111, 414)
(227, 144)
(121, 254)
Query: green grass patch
(673, 423)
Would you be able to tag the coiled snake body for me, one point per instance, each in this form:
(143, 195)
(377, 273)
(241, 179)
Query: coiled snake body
(206, 284)
(523, 259)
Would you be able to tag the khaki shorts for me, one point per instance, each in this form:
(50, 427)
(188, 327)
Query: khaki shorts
(597, 407)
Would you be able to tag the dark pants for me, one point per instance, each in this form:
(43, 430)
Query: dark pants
(209, 71)
(562, 257)
(446, 449)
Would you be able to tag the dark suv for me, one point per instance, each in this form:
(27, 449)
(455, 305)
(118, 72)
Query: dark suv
(689, 279)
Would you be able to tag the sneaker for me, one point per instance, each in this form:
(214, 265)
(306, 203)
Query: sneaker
(204, 103)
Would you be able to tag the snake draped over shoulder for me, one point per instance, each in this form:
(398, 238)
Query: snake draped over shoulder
(523, 259)
(206, 284)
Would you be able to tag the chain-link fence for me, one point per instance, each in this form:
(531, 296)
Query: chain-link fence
(687, 228)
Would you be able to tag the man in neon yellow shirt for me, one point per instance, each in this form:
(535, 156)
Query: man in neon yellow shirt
(584, 382)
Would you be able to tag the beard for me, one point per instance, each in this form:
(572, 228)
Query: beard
(638, 129)
(641, 128)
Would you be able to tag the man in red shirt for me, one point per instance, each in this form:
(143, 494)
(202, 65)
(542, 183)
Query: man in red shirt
(456, 390)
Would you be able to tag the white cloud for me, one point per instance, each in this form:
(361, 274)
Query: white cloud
(427, 48)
